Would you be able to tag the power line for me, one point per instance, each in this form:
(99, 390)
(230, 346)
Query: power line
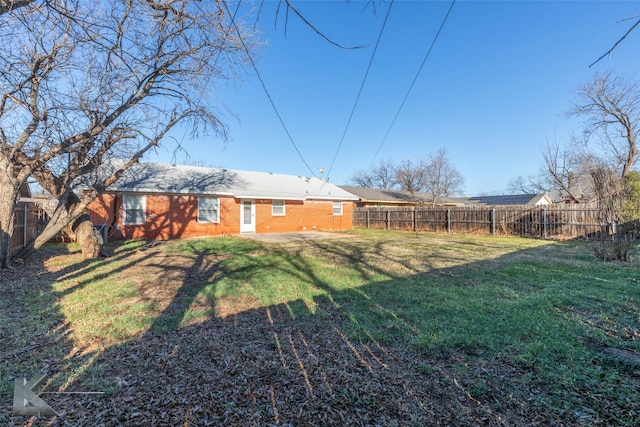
(264, 88)
(361, 88)
(413, 82)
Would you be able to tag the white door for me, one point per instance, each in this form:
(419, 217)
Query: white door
(247, 217)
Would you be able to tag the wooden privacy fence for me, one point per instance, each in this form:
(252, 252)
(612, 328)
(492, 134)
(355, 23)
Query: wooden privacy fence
(550, 222)
(28, 220)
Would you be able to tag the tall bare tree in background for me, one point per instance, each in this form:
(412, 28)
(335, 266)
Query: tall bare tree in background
(564, 169)
(610, 105)
(411, 175)
(435, 175)
(81, 82)
(382, 176)
(442, 179)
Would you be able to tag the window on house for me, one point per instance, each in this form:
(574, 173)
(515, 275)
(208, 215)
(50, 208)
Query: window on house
(208, 209)
(134, 209)
(337, 208)
(277, 208)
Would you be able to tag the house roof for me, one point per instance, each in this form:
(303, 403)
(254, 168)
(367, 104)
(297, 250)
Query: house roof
(372, 195)
(379, 195)
(147, 177)
(512, 199)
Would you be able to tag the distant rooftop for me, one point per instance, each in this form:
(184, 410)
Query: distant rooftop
(513, 199)
(372, 195)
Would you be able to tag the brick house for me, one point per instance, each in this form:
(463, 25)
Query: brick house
(161, 201)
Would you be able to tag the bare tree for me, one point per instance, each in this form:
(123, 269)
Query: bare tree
(382, 176)
(612, 193)
(530, 184)
(441, 178)
(563, 169)
(83, 81)
(362, 178)
(411, 176)
(610, 105)
(435, 175)
(566, 169)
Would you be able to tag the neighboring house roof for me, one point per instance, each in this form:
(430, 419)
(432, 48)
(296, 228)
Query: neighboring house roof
(146, 177)
(372, 195)
(513, 199)
(578, 191)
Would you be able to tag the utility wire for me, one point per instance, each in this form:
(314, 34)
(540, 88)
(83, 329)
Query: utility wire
(264, 88)
(413, 82)
(360, 91)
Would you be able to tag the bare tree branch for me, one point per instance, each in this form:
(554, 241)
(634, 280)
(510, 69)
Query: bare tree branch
(7, 6)
(316, 30)
(608, 53)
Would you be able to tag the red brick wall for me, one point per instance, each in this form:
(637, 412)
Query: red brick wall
(299, 216)
(176, 216)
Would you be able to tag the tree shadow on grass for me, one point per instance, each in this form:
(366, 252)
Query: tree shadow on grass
(384, 350)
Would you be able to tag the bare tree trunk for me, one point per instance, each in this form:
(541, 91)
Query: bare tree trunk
(8, 201)
(8, 197)
(82, 227)
(73, 219)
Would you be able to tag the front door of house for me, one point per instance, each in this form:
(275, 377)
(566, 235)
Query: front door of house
(247, 217)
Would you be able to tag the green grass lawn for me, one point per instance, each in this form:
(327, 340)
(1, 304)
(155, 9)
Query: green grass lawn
(539, 318)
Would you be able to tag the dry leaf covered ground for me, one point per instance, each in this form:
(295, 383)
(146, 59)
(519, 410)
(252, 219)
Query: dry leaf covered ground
(247, 365)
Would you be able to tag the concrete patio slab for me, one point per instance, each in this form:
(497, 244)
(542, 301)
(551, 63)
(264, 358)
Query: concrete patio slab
(293, 237)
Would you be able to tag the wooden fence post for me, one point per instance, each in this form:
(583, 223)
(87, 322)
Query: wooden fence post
(448, 220)
(368, 220)
(544, 223)
(388, 219)
(24, 228)
(493, 222)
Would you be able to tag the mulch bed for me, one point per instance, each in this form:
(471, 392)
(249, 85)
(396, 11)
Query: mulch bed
(260, 367)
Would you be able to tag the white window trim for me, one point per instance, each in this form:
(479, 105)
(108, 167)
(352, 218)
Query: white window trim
(124, 209)
(284, 208)
(217, 219)
(335, 204)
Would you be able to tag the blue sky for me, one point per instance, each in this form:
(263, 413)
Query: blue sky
(495, 87)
